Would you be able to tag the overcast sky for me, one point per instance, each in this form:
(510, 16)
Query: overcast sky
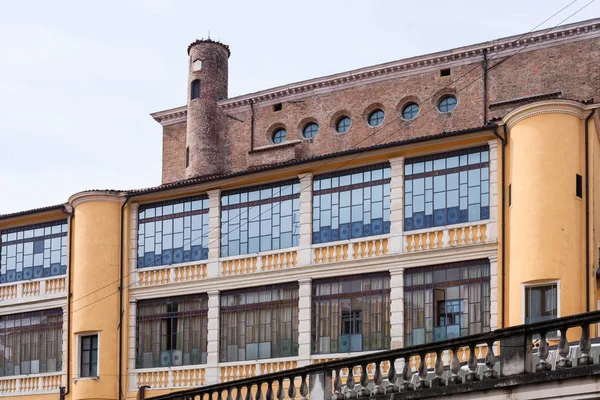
(78, 79)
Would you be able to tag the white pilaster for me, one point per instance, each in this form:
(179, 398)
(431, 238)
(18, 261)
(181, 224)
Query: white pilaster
(132, 343)
(304, 320)
(212, 360)
(133, 242)
(397, 307)
(494, 301)
(306, 189)
(214, 233)
(492, 229)
(65, 342)
(396, 244)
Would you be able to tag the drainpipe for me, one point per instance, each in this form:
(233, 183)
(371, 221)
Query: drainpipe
(485, 75)
(121, 300)
(503, 218)
(252, 125)
(64, 391)
(587, 214)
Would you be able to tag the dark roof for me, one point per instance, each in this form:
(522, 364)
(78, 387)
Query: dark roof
(32, 211)
(194, 181)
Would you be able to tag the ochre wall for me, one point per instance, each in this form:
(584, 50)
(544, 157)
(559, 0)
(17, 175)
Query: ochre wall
(546, 221)
(95, 282)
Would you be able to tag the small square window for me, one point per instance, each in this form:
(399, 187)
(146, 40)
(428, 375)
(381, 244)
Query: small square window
(88, 356)
(277, 107)
(541, 303)
(445, 72)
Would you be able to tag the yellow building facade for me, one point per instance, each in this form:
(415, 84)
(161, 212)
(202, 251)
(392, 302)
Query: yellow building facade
(276, 266)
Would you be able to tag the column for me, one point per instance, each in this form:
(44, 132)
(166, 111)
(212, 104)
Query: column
(492, 228)
(494, 301)
(304, 320)
(214, 233)
(304, 252)
(132, 378)
(397, 307)
(212, 360)
(396, 244)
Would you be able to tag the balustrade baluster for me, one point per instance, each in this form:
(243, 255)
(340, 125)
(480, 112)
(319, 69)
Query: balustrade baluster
(303, 388)
(472, 375)
(377, 380)
(337, 386)
(490, 361)
(563, 351)
(258, 395)
(407, 375)
(422, 371)
(435, 240)
(543, 365)
(280, 393)
(350, 393)
(238, 394)
(248, 393)
(292, 389)
(269, 390)
(229, 394)
(439, 370)
(454, 368)
(585, 345)
(364, 381)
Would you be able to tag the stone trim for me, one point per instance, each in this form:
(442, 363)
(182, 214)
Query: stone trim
(558, 106)
(410, 66)
(96, 197)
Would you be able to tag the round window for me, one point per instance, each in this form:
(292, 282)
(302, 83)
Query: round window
(376, 118)
(310, 130)
(343, 124)
(279, 135)
(410, 111)
(447, 103)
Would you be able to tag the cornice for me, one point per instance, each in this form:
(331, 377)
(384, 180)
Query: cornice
(108, 196)
(558, 106)
(405, 67)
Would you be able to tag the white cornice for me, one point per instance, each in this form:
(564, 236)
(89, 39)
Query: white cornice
(405, 67)
(97, 196)
(557, 106)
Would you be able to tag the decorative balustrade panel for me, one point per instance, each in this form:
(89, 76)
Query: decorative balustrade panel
(445, 237)
(478, 362)
(248, 370)
(8, 292)
(265, 262)
(34, 288)
(171, 378)
(30, 384)
(171, 274)
(351, 250)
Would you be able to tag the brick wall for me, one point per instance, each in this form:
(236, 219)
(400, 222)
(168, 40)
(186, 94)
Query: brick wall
(570, 67)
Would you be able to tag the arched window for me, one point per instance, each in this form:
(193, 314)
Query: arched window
(195, 89)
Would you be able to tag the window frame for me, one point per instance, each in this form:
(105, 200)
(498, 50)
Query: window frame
(410, 106)
(279, 136)
(374, 116)
(446, 97)
(312, 131)
(195, 89)
(525, 286)
(345, 126)
(79, 361)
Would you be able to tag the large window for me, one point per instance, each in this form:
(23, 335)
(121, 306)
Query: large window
(446, 301)
(351, 314)
(541, 302)
(32, 252)
(173, 232)
(260, 218)
(351, 204)
(446, 189)
(172, 331)
(31, 343)
(259, 323)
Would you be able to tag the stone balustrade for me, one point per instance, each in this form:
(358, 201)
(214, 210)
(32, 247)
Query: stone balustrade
(30, 384)
(33, 290)
(446, 236)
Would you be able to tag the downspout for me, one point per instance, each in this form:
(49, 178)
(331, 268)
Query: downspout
(64, 391)
(121, 300)
(503, 219)
(587, 214)
(485, 76)
(252, 125)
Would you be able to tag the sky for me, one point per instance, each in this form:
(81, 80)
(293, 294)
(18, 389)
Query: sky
(78, 79)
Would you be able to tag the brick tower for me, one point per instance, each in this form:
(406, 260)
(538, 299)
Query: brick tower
(207, 84)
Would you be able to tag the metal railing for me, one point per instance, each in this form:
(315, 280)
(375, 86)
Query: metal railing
(502, 358)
